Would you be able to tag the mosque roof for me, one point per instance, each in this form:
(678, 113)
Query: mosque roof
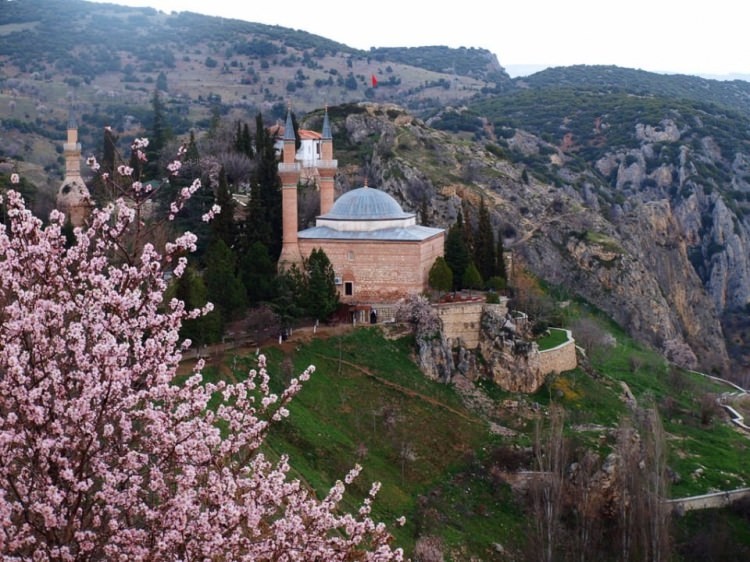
(366, 203)
(413, 233)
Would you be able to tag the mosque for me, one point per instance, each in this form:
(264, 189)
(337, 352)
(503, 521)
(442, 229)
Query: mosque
(378, 251)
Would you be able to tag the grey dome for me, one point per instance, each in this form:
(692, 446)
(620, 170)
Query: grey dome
(366, 203)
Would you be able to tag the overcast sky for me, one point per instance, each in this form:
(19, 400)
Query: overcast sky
(686, 37)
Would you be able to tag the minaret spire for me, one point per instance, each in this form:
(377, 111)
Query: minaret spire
(73, 197)
(327, 166)
(289, 171)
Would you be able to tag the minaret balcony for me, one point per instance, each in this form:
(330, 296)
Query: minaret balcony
(288, 168)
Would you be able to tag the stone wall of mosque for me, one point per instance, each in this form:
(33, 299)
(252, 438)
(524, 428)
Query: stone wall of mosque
(378, 271)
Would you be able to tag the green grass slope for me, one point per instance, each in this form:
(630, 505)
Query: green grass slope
(436, 457)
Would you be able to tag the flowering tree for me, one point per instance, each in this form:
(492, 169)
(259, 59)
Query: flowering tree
(103, 453)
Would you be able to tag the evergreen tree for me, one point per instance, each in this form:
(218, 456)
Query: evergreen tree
(289, 291)
(158, 136)
(424, 212)
(190, 217)
(101, 193)
(161, 82)
(243, 142)
(500, 258)
(223, 287)
(472, 279)
(257, 272)
(440, 276)
(238, 137)
(485, 256)
(467, 229)
(297, 138)
(456, 254)
(266, 189)
(223, 225)
(321, 296)
(191, 289)
(247, 141)
(192, 155)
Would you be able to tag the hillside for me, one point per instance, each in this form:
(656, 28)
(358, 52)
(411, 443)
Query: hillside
(104, 62)
(656, 165)
(647, 152)
(623, 251)
(446, 456)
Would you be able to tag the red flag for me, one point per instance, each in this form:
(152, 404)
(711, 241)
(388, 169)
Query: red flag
(374, 81)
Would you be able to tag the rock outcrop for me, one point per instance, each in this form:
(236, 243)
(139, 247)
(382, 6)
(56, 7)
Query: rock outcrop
(645, 234)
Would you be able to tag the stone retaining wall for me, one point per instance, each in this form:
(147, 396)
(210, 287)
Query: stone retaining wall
(708, 501)
(559, 359)
(463, 320)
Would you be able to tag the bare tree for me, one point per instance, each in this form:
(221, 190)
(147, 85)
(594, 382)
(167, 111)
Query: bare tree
(546, 490)
(585, 502)
(642, 484)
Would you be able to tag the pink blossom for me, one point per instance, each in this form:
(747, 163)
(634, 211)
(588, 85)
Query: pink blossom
(174, 167)
(15, 178)
(92, 163)
(103, 450)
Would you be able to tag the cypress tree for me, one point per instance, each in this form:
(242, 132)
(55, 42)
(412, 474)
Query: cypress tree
(266, 188)
(158, 135)
(257, 272)
(472, 279)
(440, 277)
(223, 226)
(485, 251)
(223, 287)
(321, 296)
(456, 254)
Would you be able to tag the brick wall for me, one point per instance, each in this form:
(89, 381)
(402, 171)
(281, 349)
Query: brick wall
(379, 271)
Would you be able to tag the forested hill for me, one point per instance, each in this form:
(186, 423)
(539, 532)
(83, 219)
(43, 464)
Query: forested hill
(122, 46)
(733, 94)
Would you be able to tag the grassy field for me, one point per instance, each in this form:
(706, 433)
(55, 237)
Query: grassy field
(368, 403)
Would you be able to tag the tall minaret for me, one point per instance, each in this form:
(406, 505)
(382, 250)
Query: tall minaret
(289, 171)
(327, 167)
(73, 197)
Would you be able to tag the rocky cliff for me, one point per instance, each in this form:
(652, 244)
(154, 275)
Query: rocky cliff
(657, 249)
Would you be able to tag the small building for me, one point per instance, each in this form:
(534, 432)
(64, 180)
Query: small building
(378, 251)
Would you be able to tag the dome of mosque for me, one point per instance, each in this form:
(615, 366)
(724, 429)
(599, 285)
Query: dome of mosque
(366, 203)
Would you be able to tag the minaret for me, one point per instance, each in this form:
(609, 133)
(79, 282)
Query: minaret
(327, 167)
(73, 198)
(289, 172)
